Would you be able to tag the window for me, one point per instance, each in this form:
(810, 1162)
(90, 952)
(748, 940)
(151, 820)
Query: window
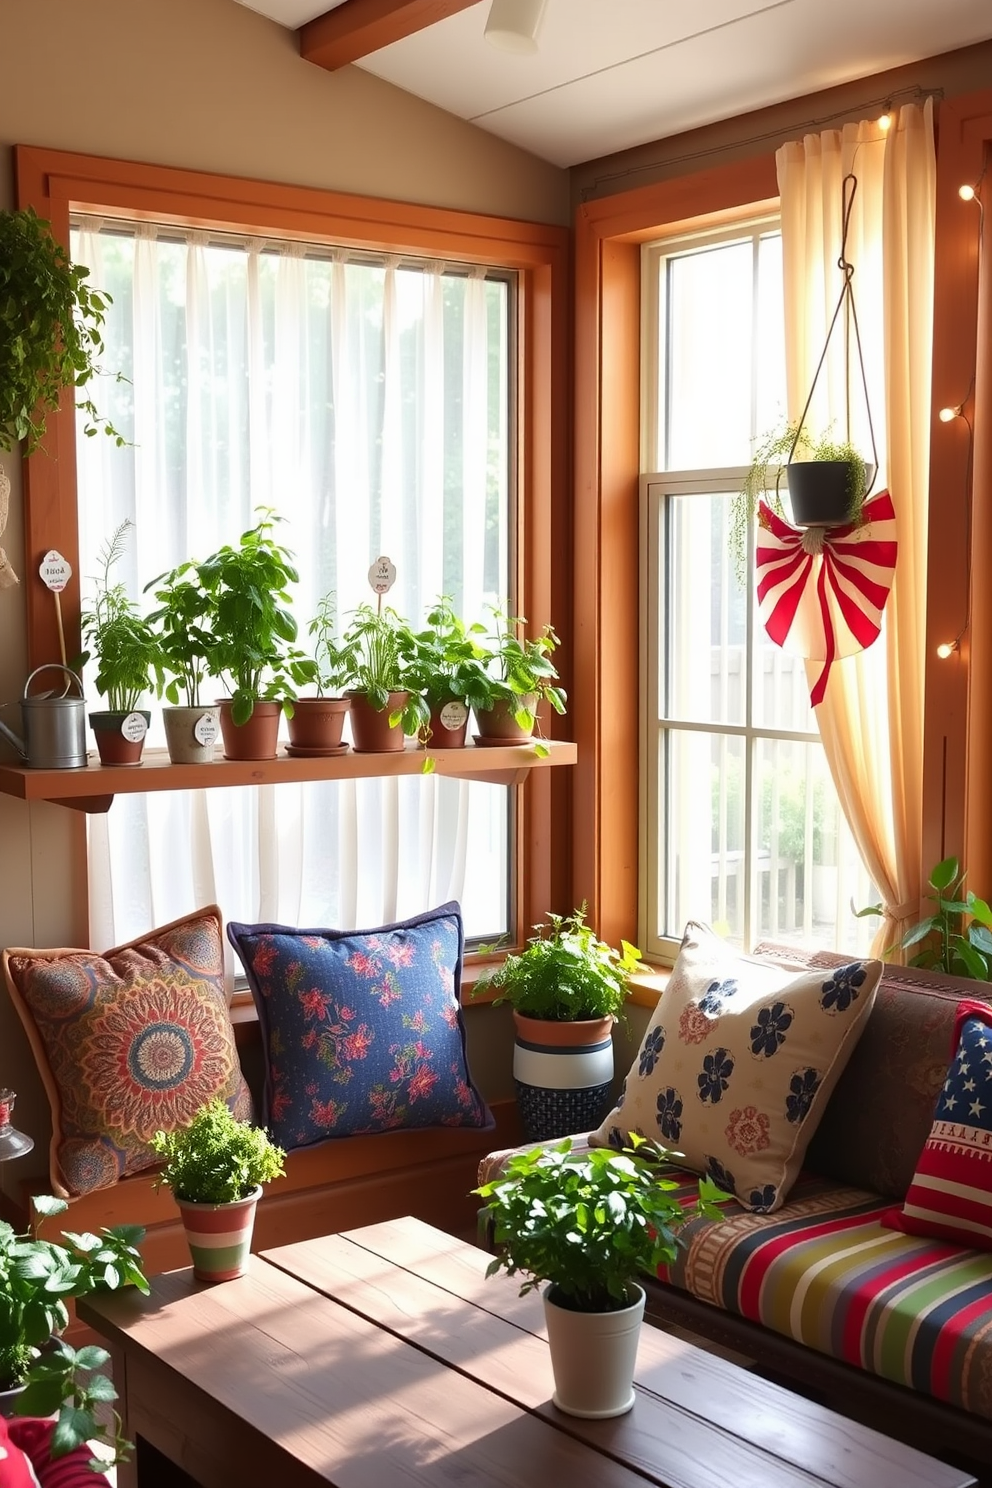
(742, 824)
(367, 399)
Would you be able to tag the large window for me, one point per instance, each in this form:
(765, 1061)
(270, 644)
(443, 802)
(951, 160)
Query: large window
(368, 400)
(742, 824)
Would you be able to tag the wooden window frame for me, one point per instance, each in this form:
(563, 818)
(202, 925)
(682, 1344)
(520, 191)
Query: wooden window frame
(56, 183)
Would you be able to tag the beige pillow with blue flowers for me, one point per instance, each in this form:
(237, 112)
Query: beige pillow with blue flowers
(738, 1062)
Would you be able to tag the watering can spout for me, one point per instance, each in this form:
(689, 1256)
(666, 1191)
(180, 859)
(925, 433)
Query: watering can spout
(18, 744)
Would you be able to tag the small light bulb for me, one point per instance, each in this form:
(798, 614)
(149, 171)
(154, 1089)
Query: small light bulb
(966, 193)
(946, 649)
(948, 415)
(885, 122)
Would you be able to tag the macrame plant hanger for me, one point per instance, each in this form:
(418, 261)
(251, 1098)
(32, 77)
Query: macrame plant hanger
(822, 586)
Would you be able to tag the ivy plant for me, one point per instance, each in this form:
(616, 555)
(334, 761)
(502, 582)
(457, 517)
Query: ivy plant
(51, 331)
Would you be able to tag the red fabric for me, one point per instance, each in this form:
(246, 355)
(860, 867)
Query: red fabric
(950, 1196)
(15, 1469)
(34, 1438)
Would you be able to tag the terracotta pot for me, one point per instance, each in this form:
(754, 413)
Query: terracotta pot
(191, 734)
(256, 739)
(219, 1236)
(113, 745)
(593, 1356)
(370, 730)
(498, 722)
(447, 732)
(563, 1074)
(317, 724)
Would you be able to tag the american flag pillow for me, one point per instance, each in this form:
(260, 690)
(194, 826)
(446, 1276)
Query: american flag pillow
(950, 1197)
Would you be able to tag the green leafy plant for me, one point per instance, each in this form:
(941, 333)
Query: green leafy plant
(217, 1159)
(957, 937)
(330, 668)
(126, 647)
(247, 589)
(588, 1223)
(37, 1278)
(381, 647)
(448, 660)
(565, 972)
(50, 330)
(520, 672)
(766, 472)
(184, 641)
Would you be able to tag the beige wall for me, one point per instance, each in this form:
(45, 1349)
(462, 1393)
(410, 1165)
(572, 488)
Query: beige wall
(209, 85)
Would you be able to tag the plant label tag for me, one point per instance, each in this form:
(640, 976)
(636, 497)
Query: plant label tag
(453, 715)
(55, 571)
(134, 728)
(205, 729)
(382, 575)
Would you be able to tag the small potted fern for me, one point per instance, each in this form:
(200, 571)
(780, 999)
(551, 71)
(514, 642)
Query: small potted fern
(127, 658)
(215, 1167)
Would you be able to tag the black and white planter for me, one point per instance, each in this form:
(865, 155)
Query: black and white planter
(563, 1074)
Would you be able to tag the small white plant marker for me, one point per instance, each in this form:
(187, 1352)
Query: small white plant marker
(56, 572)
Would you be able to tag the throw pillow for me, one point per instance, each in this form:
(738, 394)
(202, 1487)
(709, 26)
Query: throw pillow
(361, 1030)
(32, 1437)
(16, 1470)
(950, 1197)
(738, 1062)
(127, 1043)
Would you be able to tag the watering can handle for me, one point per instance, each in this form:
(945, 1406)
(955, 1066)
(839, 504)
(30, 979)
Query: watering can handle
(56, 667)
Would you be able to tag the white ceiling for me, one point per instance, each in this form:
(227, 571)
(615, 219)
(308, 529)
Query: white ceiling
(610, 74)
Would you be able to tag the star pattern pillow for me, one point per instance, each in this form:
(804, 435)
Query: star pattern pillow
(738, 1062)
(128, 1043)
(950, 1197)
(361, 1030)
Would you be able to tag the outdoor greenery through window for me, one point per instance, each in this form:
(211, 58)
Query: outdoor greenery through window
(742, 825)
(367, 400)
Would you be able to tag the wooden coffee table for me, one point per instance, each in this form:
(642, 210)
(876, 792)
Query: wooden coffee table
(383, 1358)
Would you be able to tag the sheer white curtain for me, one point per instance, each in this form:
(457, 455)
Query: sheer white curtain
(366, 402)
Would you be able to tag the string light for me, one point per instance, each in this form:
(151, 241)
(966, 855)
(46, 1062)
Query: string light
(885, 119)
(948, 415)
(966, 193)
(947, 648)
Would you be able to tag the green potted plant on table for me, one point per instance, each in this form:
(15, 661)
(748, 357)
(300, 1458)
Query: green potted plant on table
(957, 937)
(127, 657)
(184, 643)
(584, 1225)
(448, 669)
(247, 589)
(384, 703)
(317, 723)
(215, 1167)
(520, 674)
(47, 1376)
(567, 988)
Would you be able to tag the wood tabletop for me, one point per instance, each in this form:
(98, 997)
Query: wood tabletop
(382, 1357)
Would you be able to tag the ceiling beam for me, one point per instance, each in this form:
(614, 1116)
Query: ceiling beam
(359, 27)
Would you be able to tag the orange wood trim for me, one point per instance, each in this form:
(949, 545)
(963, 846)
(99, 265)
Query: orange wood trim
(359, 27)
(607, 466)
(956, 799)
(53, 181)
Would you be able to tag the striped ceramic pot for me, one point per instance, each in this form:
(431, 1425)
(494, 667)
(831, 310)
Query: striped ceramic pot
(219, 1236)
(563, 1075)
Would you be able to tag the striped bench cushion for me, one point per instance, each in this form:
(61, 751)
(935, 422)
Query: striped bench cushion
(824, 1271)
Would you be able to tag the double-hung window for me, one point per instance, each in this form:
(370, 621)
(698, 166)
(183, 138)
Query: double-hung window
(367, 399)
(742, 826)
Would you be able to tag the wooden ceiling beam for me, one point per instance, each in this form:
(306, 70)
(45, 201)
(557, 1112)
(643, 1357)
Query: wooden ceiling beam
(359, 27)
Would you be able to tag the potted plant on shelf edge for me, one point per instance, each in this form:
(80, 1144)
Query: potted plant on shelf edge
(127, 657)
(519, 675)
(184, 645)
(567, 988)
(317, 723)
(384, 704)
(37, 1278)
(584, 1226)
(448, 669)
(215, 1167)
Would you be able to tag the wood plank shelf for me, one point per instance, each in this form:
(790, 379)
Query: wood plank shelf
(93, 787)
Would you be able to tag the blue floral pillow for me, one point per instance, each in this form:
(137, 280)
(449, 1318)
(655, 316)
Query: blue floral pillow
(362, 1030)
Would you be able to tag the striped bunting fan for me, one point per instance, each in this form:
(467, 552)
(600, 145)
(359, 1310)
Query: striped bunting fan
(822, 590)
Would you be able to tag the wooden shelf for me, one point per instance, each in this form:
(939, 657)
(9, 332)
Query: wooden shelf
(93, 786)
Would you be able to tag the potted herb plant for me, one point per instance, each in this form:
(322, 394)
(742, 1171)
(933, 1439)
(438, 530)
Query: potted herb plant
(957, 937)
(127, 658)
(584, 1225)
(566, 988)
(184, 643)
(520, 674)
(384, 704)
(37, 1279)
(317, 723)
(252, 629)
(215, 1167)
(448, 669)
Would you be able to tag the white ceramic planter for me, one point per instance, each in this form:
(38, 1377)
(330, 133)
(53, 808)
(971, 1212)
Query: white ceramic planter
(593, 1356)
(191, 734)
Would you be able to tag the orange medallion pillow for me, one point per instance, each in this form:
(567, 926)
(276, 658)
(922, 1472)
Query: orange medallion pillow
(128, 1043)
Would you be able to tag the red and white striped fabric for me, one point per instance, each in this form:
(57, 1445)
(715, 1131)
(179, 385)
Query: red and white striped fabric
(822, 590)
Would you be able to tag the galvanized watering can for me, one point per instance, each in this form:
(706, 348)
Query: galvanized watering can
(54, 725)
